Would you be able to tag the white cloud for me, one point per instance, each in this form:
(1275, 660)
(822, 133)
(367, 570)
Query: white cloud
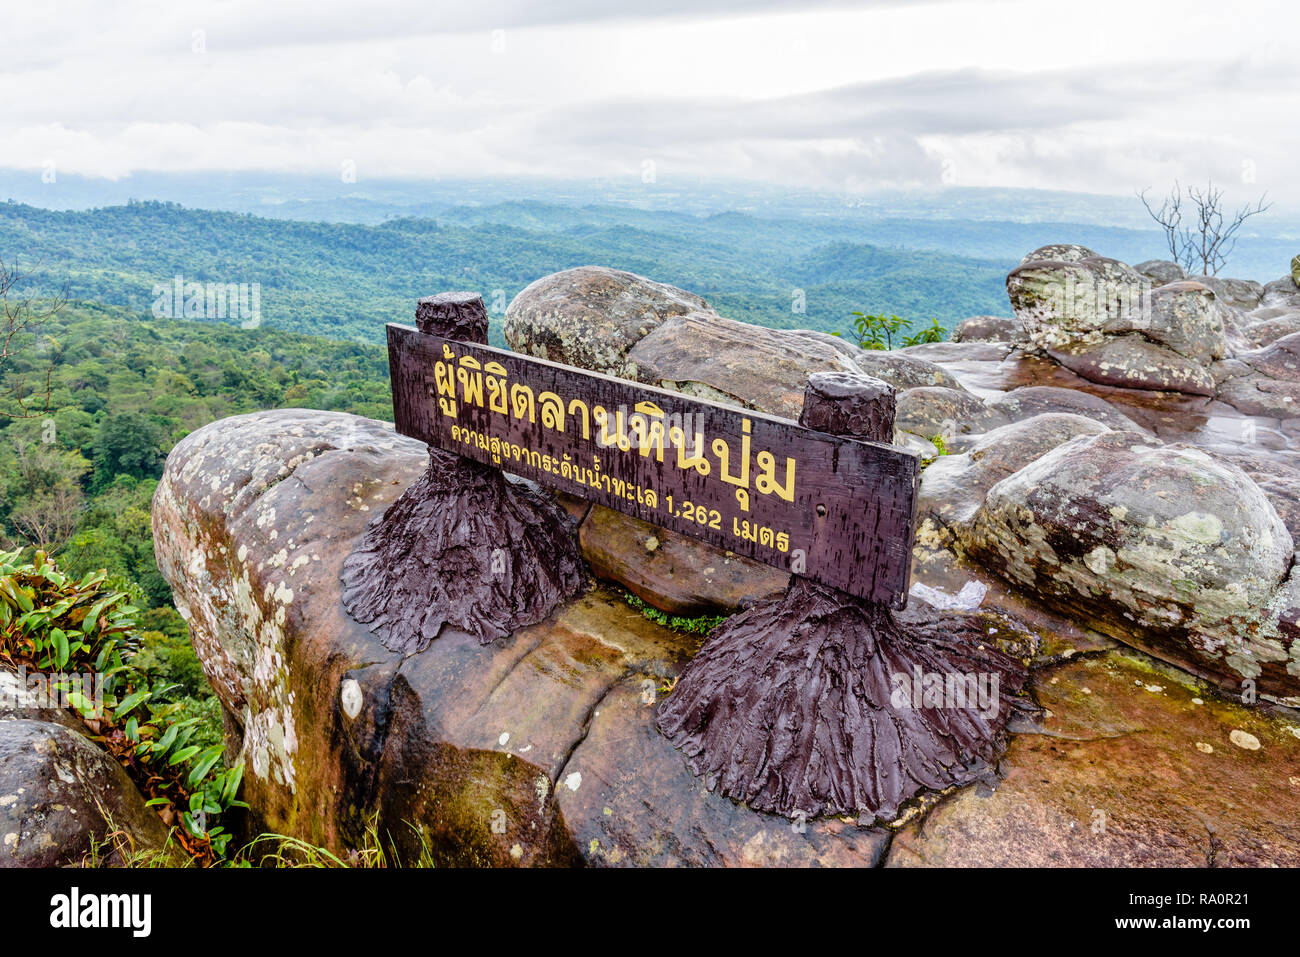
(1104, 96)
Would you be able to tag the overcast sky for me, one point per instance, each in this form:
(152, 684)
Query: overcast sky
(1099, 95)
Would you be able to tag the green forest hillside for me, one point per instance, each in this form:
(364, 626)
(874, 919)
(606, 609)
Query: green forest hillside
(77, 480)
(345, 281)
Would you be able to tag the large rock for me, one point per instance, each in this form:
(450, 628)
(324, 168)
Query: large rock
(1059, 252)
(723, 360)
(1161, 271)
(538, 749)
(1031, 400)
(1134, 362)
(1244, 294)
(1269, 329)
(1281, 293)
(1103, 321)
(1295, 271)
(931, 411)
(1185, 317)
(953, 486)
(987, 329)
(63, 799)
(591, 316)
(1263, 382)
(1060, 303)
(1161, 547)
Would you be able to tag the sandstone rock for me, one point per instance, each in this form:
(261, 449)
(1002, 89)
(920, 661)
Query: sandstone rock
(953, 486)
(903, 371)
(1242, 294)
(676, 574)
(1252, 393)
(1126, 769)
(987, 329)
(1185, 317)
(1133, 362)
(955, 353)
(523, 752)
(1277, 473)
(1282, 292)
(1059, 303)
(1295, 271)
(1059, 252)
(1278, 360)
(591, 316)
(1263, 382)
(1162, 547)
(723, 360)
(1161, 271)
(61, 794)
(1029, 401)
(931, 411)
(1269, 330)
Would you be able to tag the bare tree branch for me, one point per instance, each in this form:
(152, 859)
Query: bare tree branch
(1210, 239)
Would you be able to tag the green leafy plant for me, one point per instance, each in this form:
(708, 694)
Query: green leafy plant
(931, 333)
(52, 623)
(877, 331)
(880, 331)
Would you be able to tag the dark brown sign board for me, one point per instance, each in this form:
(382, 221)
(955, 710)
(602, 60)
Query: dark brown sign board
(833, 509)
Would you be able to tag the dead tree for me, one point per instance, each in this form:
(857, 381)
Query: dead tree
(1211, 236)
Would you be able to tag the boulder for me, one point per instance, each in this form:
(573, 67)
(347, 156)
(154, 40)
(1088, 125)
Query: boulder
(953, 486)
(1277, 473)
(902, 370)
(1278, 360)
(1295, 271)
(1103, 321)
(1165, 548)
(987, 329)
(1270, 329)
(63, 799)
(1244, 294)
(1063, 302)
(1134, 362)
(1185, 317)
(1161, 271)
(1031, 400)
(1264, 382)
(1282, 292)
(591, 316)
(1059, 252)
(539, 749)
(931, 411)
(723, 360)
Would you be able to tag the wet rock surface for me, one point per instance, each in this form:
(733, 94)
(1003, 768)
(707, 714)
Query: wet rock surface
(1131, 765)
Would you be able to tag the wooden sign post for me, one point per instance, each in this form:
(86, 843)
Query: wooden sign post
(786, 707)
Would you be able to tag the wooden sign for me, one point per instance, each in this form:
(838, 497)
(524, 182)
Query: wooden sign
(832, 509)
